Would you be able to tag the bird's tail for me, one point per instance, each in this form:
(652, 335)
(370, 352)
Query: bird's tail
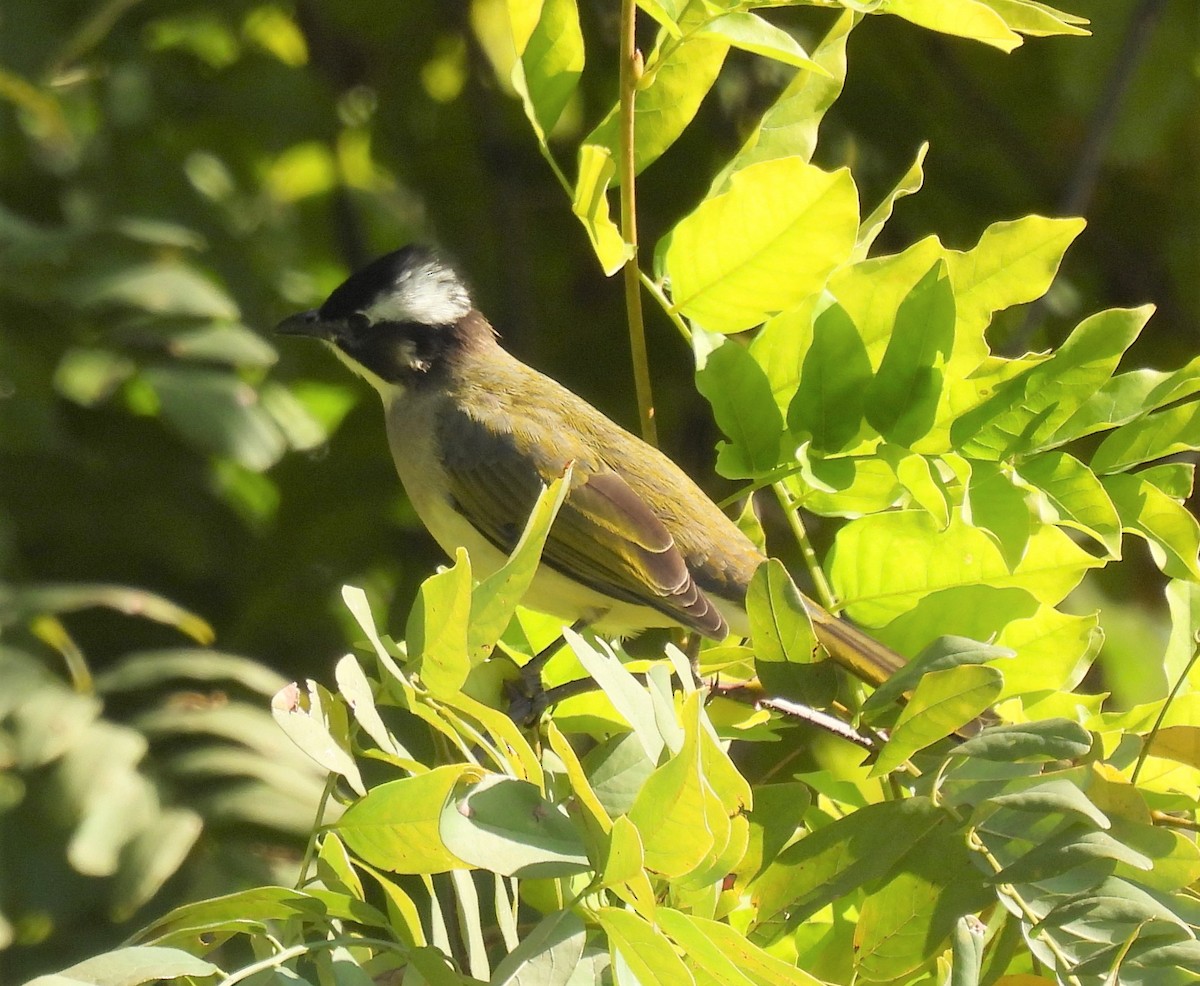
(858, 652)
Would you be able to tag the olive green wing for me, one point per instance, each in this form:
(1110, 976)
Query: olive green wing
(605, 536)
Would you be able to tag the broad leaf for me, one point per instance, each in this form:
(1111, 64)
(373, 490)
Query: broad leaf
(789, 127)
(396, 826)
(438, 627)
(902, 400)
(744, 409)
(942, 703)
(779, 623)
(505, 825)
(550, 54)
(762, 246)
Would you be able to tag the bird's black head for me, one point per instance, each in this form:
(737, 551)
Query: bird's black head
(393, 321)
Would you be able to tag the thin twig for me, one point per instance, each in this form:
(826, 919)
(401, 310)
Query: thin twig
(1162, 714)
(630, 73)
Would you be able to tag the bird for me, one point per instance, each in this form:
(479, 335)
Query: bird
(475, 435)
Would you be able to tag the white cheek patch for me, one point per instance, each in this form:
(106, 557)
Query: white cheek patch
(428, 294)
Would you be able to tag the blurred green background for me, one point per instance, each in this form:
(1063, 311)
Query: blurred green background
(176, 176)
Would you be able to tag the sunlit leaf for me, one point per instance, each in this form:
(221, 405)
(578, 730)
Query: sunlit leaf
(1077, 496)
(590, 205)
(550, 53)
(789, 127)
(396, 826)
(643, 949)
(779, 623)
(834, 378)
(1171, 531)
(966, 19)
(506, 826)
(1145, 439)
(1026, 412)
(943, 702)
(131, 966)
(438, 627)
(762, 246)
(750, 32)
(678, 75)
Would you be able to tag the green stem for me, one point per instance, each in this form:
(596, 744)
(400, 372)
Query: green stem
(630, 73)
(1162, 714)
(792, 514)
(656, 292)
(311, 849)
(295, 951)
(1027, 912)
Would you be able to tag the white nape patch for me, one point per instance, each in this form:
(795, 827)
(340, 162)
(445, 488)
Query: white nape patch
(427, 293)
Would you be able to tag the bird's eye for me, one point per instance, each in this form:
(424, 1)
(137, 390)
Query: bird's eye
(359, 322)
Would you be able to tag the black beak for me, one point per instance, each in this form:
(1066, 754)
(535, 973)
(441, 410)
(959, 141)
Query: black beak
(304, 324)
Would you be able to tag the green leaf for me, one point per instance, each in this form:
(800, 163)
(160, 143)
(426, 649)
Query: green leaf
(964, 18)
(549, 46)
(744, 408)
(680, 818)
(1154, 436)
(710, 946)
(1170, 530)
(546, 956)
(678, 75)
(495, 599)
(779, 623)
(942, 702)
(885, 564)
(504, 825)
(1047, 739)
(1024, 413)
(750, 32)
(628, 695)
(131, 966)
(590, 205)
(152, 857)
(642, 950)
(909, 184)
(438, 624)
(1066, 850)
(166, 288)
(1127, 396)
(29, 601)
(901, 401)
(1013, 263)
(666, 12)
(943, 654)
(1054, 795)
(999, 506)
(218, 412)
(832, 861)
(1056, 651)
(834, 378)
(1078, 498)
(764, 245)
(315, 722)
(922, 482)
(396, 826)
(356, 690)
(1036, 19)
(904, 923)
(789, 127)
